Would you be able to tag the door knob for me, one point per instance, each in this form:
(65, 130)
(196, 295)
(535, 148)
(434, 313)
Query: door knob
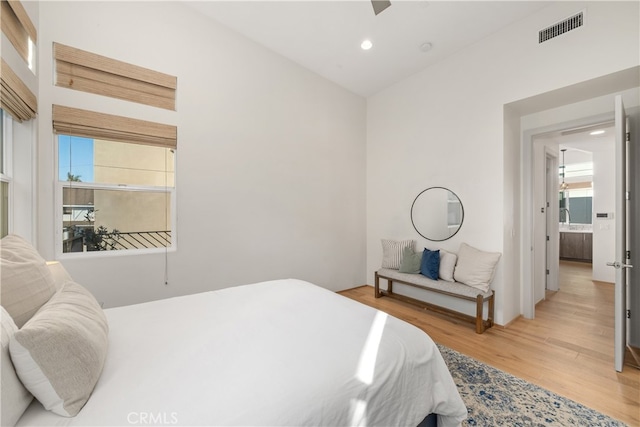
(617, 265)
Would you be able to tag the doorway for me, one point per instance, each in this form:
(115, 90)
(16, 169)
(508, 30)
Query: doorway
(569, 222)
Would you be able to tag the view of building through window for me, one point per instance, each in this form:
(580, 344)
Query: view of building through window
(115, 195)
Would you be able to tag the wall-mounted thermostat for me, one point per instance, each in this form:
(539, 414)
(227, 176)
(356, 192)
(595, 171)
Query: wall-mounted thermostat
(604, 215)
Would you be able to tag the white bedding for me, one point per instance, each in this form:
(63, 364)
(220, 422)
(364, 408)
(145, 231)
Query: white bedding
(279, 353)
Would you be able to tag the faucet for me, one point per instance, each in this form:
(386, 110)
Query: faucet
(568, 216)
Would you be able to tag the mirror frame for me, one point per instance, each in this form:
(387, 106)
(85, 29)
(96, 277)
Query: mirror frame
(461, 209)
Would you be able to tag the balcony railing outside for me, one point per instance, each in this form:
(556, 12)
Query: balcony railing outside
(138, 240)
(119, 240)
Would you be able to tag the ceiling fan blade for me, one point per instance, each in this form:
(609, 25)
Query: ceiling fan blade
(380, 5)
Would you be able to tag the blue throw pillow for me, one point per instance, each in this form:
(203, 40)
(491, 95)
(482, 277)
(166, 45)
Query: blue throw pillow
(430, 264)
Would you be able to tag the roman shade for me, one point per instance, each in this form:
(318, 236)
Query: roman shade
(16, 98)
(90, 124)
(85, 71)
(17, 26)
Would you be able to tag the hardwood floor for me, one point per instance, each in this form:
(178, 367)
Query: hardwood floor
(567, 348)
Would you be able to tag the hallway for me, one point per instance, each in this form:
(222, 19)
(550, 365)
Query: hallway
(582, 310)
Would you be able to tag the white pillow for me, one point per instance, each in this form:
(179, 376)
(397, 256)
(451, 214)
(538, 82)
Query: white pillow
(15, 398)
(447, 265)
(392, 252)
(59, 273)
(26, 280)
(475, 268)
(60, 352)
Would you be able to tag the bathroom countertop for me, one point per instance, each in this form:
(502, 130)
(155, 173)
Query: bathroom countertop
(567, 230)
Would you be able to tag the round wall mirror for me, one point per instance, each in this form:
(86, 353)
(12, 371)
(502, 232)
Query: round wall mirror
(437, 214)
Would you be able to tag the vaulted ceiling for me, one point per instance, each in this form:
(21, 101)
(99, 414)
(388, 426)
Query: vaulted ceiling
(325, 36)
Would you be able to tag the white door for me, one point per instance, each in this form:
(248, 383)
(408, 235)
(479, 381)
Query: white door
(621, 263)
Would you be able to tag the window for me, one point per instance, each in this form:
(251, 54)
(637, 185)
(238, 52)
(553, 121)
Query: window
(5, 173)
(576, 206)
(115, 195)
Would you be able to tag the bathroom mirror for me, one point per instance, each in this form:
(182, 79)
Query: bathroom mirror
(437, 214)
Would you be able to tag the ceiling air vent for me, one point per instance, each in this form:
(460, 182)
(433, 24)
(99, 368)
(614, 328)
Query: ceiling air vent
(564, 26)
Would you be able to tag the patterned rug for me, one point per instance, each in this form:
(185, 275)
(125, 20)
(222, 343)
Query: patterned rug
(496, 398)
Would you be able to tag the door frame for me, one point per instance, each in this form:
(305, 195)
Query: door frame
(552, 219)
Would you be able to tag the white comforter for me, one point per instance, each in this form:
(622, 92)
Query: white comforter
(279, 353)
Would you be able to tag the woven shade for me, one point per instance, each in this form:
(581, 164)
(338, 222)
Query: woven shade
(17, 26)
(89, 124)
(88, 72)
(15, 97)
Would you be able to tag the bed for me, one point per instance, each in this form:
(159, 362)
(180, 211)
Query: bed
(276, 353)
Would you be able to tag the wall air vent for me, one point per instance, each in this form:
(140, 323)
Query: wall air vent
(564, 26)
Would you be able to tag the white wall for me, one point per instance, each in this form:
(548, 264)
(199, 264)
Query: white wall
(446, 126)
(604, 200)
(270, 164)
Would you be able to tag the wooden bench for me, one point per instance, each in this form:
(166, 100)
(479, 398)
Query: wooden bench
(453, 289)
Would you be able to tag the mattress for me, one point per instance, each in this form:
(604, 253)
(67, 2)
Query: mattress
(277, 353)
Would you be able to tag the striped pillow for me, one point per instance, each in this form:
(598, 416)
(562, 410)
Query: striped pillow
(27, 283)
(59, 353)
(392, 252)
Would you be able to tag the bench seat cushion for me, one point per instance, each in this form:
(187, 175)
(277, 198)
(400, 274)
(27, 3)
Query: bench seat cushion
(436, 285)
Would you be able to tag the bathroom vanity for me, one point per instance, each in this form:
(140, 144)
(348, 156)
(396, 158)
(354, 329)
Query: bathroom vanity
(576, 245)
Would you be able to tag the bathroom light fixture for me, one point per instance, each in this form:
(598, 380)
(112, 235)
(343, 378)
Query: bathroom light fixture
(564, 185)
(366, 45)
(597, 132)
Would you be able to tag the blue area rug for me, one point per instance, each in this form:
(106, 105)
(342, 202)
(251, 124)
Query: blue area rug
(496, 398)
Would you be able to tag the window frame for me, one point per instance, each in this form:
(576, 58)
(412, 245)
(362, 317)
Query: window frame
(6, 174)
(58, 217)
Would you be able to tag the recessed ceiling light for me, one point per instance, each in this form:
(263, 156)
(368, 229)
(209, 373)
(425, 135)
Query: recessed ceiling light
(597, 132)
(366, 45)
(426, 47)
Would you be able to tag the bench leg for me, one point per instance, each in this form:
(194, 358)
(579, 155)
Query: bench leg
(491, 308)
(390, 286)
(376, 288)
(479, 308)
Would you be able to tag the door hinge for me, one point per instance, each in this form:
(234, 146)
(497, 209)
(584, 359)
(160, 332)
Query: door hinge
(628, 314)
(547, 238)
(628, 255)
(548, 204)
(547, 271)
(627, 195)
(628, 136)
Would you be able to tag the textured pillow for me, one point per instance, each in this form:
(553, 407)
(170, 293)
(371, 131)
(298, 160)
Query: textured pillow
(59, 273)
(475, 267)
(60, 352)
(15, 398)
(410, 261)
(430, 264)
(447, 265)
(392, 252)
(26, 280)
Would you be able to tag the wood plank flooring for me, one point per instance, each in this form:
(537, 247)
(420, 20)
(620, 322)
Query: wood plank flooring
(567, 348)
